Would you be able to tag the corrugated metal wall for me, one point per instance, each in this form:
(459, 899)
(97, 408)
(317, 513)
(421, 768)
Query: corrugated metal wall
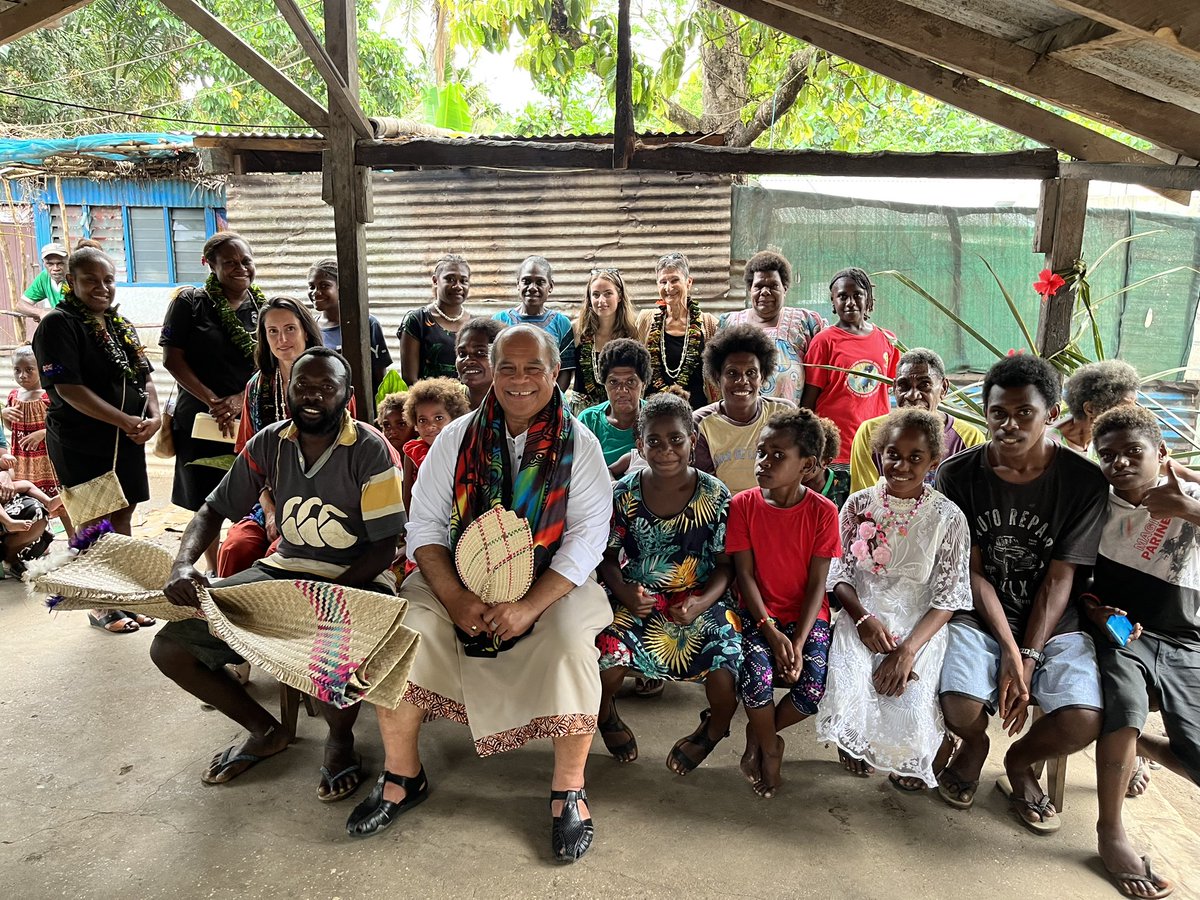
(577, 220)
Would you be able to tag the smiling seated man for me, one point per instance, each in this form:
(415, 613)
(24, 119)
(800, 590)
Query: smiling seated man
(516, 671)
(339, 511)
(920, 384)
(1035, 510)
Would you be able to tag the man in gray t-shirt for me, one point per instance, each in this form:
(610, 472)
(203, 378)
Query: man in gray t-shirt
(337, 496)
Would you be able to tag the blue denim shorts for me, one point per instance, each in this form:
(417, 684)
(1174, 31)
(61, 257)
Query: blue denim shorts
(1069, 676)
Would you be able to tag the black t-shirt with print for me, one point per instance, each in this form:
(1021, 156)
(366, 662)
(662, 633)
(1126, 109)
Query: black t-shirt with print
(1020, 528)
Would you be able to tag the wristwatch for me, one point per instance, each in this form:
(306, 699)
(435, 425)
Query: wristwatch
(1036, 655)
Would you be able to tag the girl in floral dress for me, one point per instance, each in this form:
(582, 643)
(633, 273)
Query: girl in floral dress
(667, 574)
(25, 415)
(903, 573)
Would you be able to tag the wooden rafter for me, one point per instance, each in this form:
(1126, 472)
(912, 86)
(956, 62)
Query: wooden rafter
(336, 84)
(959, 90)
(32, 15)
(1002, 62)
(250, 61)
(1173, 23)
(1077, 33)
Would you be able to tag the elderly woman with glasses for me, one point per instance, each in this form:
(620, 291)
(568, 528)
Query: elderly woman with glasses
(607, 314)
(623, 369)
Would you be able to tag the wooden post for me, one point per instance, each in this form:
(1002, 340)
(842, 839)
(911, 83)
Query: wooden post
(349, 213)
(623, 117)
(1062, 246)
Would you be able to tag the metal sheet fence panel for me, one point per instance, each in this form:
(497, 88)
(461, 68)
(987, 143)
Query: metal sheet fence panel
(495, 219)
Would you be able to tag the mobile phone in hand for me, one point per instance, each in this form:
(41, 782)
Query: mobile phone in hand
(1120, 628)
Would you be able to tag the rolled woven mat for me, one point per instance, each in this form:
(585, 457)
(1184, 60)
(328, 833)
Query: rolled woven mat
(339, 644)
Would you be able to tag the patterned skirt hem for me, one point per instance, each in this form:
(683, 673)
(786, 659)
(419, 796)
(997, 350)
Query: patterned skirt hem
(541, 727)
(435, 705)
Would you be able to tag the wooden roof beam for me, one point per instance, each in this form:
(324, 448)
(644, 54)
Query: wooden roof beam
(250, 61)
(1172, 23)
(1081, 32)
(997, 60)
(334, 82)
(32, 15)
(959, 90)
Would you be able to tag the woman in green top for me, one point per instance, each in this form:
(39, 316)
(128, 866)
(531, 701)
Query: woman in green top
(624, 370)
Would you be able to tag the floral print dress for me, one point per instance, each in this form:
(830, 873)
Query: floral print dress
(672, 559)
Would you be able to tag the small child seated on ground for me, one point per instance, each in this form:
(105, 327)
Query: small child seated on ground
(782, 537)
(1147, 570)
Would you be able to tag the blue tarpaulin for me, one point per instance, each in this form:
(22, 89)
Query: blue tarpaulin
(133, 145)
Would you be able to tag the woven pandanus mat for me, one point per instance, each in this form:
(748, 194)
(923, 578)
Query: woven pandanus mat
(339, 644)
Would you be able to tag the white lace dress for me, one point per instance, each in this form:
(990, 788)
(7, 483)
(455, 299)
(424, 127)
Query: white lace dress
(929, 568)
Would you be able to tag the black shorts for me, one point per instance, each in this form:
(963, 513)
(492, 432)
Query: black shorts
(193, 634)
(1148, 666)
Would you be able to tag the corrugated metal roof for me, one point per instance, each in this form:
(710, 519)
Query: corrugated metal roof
(496, 218)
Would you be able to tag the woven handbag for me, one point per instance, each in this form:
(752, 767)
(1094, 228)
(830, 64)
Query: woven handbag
(100, 496)
(164, 441)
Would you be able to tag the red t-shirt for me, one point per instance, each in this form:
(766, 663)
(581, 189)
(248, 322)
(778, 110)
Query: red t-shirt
(783, 541)
(416, 450)
(847, 398)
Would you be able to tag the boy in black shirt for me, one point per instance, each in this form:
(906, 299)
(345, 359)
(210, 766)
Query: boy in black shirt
(1035, 510)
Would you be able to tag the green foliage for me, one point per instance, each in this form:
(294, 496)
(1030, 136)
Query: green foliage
(134, 55)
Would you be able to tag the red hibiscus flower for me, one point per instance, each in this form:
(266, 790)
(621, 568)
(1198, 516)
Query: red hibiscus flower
(1048, 283)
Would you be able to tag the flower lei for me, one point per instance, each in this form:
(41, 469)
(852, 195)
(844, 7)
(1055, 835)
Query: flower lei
(693, 342)
(870, 548)
(242, 339)
(118, 340)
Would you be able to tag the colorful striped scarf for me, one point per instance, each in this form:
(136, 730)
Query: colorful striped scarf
(538, 491)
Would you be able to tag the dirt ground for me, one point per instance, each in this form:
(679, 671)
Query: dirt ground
(101, 759)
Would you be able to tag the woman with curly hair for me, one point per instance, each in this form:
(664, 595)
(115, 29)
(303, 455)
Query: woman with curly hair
(768, 276)
(607, 314)
(427, 335)
(208, 346)
(727, 431)
(624, 369)
(676, 334)
(1093, 389)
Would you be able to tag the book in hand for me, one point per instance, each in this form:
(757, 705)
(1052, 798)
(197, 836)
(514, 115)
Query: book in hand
(205, 428)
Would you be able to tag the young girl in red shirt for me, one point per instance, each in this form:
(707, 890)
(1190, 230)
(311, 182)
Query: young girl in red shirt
(844, 363)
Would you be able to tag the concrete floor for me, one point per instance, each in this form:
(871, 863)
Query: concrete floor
(101, 759)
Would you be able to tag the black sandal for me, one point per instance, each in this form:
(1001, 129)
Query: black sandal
(614, 725)
(570, 836)
(375, 814)
(699, 738)
(111, 618)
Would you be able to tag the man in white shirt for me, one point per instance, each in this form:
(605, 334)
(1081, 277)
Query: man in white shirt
(513, 671)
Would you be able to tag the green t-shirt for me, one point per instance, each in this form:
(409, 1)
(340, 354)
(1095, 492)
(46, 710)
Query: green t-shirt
(43, 289)
(615, 442)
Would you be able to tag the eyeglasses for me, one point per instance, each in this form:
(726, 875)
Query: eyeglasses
(629, 385)
(611, 270)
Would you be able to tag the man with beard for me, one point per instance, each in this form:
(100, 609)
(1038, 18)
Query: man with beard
(339, 513)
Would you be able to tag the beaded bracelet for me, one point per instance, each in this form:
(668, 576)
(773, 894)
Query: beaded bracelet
(863, 618)
(763, 621)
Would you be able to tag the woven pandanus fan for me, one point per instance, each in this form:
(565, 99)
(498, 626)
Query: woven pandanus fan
(494, 556)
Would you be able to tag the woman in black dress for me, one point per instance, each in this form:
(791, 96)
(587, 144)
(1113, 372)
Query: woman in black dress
(95, 370)
(675, 334)
(427, 336)
(208, 345)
